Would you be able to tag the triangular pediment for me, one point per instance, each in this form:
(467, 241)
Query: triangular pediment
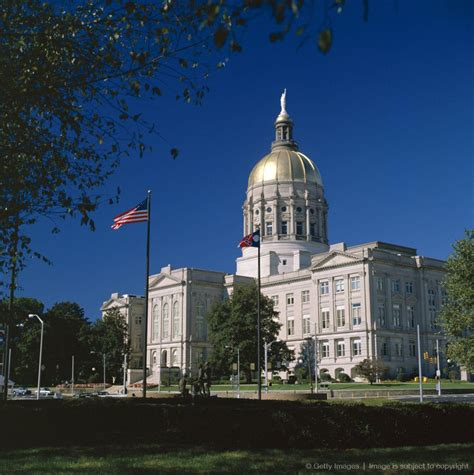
(164, 280)
(110, 304)
(335, 259)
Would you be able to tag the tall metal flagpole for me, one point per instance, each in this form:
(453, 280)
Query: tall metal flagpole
(258, 325)
(145, 332)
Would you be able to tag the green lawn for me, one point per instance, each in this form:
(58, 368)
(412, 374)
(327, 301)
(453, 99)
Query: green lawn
(166, 459)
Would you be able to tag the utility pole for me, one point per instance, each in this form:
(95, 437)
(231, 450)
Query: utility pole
(438, 371)
(72, 376)
(316, 362)
(420, 373)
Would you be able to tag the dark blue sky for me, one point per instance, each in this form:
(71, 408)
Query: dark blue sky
(387, 116)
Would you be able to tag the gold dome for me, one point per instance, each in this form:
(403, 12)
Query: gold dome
(285, 165)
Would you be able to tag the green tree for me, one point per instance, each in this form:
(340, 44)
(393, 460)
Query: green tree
(233, 324)
(24, 338)
(66, 330)
(109, 336)
(370, 369)
(306, 359)
(457, 314)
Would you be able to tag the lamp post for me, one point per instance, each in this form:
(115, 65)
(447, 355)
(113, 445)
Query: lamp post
(33, 315)
(103, 365)
(266, 347)
(316, 363)
(238, 370)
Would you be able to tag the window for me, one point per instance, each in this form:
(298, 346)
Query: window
(356, 316)
(324, 287)
(174, 357)
(340, 348)
(166, 321)
(299, 227)
(312, 229)
(138, 319)
(306, 324)
(325, 318)
(290, 299)
(325, 349)
(356, 347)
(384, 349)
(269, 210)
(412, 348)
(379, 283)
(341, 318)
(398, 349)
(275, 300)
(433, 318)
(283, 262)
(444, 297)
(153, 358)
(299, 209)
(395, 286)
(381, 315)
(355, 282)
(411, 316)
(339, 285)
(200, 321)
(291, 327)
(156, 323)
(283, 208)
(396, 315)
(284, 227)
(409, 287)
(305, 296)
(431, 298)
(175, 320)
(269, 230)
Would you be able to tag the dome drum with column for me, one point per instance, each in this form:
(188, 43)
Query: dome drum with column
(285, 199)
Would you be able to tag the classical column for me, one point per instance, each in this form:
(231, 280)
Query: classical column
(291, 230)
(308, 233)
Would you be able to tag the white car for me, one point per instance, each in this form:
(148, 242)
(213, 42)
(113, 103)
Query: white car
(45, 392)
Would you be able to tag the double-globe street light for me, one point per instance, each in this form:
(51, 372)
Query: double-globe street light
(266, 347)
(238, 370)
(33, 315)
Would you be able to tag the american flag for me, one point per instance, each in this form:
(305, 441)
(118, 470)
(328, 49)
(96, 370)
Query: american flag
(137, 214)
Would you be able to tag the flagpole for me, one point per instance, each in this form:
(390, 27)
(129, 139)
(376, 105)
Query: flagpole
(145, 332)
(258, 325)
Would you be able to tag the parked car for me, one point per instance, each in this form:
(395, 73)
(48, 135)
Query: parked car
(45, 392)
(21, 392)
(102, 394)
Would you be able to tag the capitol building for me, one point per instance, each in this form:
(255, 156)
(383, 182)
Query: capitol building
(361, 301)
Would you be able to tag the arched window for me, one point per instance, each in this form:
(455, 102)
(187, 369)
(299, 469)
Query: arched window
(156, 322)
(164, 358)
(174, 357)
(175, 320)
(200, 322)
(166, 321)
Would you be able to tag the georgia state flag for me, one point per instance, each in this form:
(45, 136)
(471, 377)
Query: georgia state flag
(252, 240)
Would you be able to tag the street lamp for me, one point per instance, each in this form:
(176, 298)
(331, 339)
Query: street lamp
(103, 364)
(33, 315)
(266, 347)
(238, 370)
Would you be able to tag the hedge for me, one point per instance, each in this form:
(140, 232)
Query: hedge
(232, 423)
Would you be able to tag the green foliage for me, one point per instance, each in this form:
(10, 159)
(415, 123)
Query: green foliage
(325, 376)
(457, 314)
(306, 360)
(109, 336)
(233, 324)
(370, 369)
(344, 378)
(233, 423)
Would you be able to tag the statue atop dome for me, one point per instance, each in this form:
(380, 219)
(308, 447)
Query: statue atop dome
(283, 103)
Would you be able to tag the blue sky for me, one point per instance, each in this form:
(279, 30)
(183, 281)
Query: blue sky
(387, 116)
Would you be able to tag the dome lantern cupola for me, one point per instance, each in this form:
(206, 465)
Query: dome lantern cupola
(284, 128)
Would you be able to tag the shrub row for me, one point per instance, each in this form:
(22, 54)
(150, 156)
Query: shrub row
(232, 423)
